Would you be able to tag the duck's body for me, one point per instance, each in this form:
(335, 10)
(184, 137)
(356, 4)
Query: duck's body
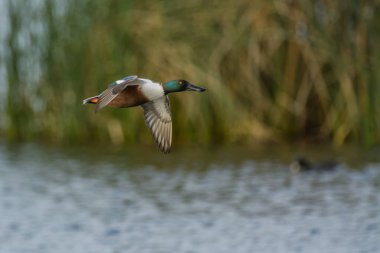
(128, 92)
(152, 96)
(129, 97)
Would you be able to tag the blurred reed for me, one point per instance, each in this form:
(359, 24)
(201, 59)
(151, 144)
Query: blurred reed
(274, 70)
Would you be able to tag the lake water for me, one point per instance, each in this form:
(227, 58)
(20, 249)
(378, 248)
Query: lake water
(84, 200)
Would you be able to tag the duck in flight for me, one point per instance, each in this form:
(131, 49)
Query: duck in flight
(151, 96)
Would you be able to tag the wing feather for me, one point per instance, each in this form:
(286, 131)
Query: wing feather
(158, 119)
(113, 90)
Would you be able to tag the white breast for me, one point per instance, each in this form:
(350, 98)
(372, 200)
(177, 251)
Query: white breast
(151, 89)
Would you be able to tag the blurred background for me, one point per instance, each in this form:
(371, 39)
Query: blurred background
(275, 70)
(286, 81)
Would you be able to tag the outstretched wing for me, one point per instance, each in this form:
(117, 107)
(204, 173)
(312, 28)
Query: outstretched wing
(158, 119)
(113, 90)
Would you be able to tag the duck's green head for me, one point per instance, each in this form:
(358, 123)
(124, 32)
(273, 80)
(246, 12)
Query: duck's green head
(180, 85)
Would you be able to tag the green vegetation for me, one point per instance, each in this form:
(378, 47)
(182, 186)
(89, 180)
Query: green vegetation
(274, 70)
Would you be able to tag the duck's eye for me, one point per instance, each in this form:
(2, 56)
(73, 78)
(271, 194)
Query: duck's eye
(180, 82)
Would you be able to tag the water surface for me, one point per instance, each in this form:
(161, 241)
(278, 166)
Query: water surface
(84, 200)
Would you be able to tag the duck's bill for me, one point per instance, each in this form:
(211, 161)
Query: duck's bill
(193, 87)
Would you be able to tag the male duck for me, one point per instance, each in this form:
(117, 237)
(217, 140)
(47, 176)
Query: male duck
(133, 91)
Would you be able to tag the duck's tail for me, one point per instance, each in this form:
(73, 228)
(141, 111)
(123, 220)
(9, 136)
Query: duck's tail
(91, 100)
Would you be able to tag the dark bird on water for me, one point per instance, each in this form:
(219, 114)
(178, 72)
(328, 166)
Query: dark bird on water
(303, 164)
